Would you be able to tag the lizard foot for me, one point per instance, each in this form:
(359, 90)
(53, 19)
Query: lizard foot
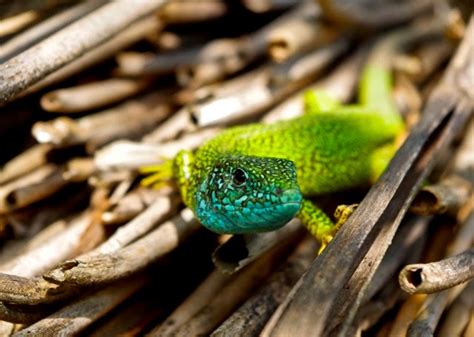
(343, 212)
(324, 243)
(159, 175)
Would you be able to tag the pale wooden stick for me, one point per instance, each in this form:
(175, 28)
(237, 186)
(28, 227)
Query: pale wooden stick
(31, 36)
(458, 315)
(102, 268)
(339, 84)
(251, 94)
(129, 119)
(200, 297)
(92, 95)
(27, 68)
(25, 162)
(32, 187)
(43, 256)
(433, 277)
(133, 203)
(124, 38)
(158, 211)
(260, 6)
(184, 11)
(15, 23)
(78, 315)
(302, 32)
(126, 154)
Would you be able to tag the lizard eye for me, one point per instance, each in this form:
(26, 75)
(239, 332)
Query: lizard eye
(239, 177)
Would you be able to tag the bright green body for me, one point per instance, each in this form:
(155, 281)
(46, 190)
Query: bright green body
(332, 147)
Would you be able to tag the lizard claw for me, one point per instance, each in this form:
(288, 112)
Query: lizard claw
(343, 212)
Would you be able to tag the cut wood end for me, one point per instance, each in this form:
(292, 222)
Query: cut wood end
(410, 278)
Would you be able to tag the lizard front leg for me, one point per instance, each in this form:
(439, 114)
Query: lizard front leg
(171, 171)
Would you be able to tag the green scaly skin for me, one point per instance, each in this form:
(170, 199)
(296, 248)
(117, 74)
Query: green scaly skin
(256, 177)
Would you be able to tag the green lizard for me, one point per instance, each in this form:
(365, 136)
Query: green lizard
(257, 177)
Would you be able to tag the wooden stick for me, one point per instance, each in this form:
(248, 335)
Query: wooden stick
(233, 293)
(102, 268)
(15, 23)
(130, 155)
(458, 315)
(183, 11)
(339, 84)
(240, 250)
(308, 309)
(139, 226)
(301, 32)
(66, 243)
(244, 321)
(27, 68)
(204, 294)
(261, 6)
(133, 33)
(28, 38)
(25, 162)
(434, 305)
(248, 96)
(78, 315)
(133, 203)
(446, 196)
(437, 276)
(92, 95)
(128, 120)
(378, 15)
(30, 188)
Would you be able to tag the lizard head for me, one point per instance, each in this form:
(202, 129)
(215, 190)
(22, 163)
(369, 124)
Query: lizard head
(243, 194)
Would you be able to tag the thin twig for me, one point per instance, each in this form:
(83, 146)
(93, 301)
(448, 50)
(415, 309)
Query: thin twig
(76, 316)
(27, 68)
(31, 36)
(208, 289)
(92, 95)
(240, 250)
(244, 321)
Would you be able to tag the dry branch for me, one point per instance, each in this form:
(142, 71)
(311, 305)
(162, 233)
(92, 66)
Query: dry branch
(125, 154)
(123, 39)
(103, 268)
(76, 316)
(128, 120)
(446, 196)
(240, 250)
(31, 36)
(65, 244)
(27, 68)
(35, 186)
(459, 313)
(16, 23)
(25, 162)
(428, 317)
(92, 95)
(370, 229)
(161, 208)
(249, 95)
(234, 293)
(373, 14)
(250, 318)
(204, 294)
(184, 11)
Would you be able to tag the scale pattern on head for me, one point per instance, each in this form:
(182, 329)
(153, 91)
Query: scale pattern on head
(244, 194)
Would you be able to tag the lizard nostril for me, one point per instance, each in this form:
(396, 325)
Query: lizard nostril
(278, 191)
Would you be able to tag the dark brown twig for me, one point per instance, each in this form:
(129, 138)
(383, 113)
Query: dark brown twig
(370, 229)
